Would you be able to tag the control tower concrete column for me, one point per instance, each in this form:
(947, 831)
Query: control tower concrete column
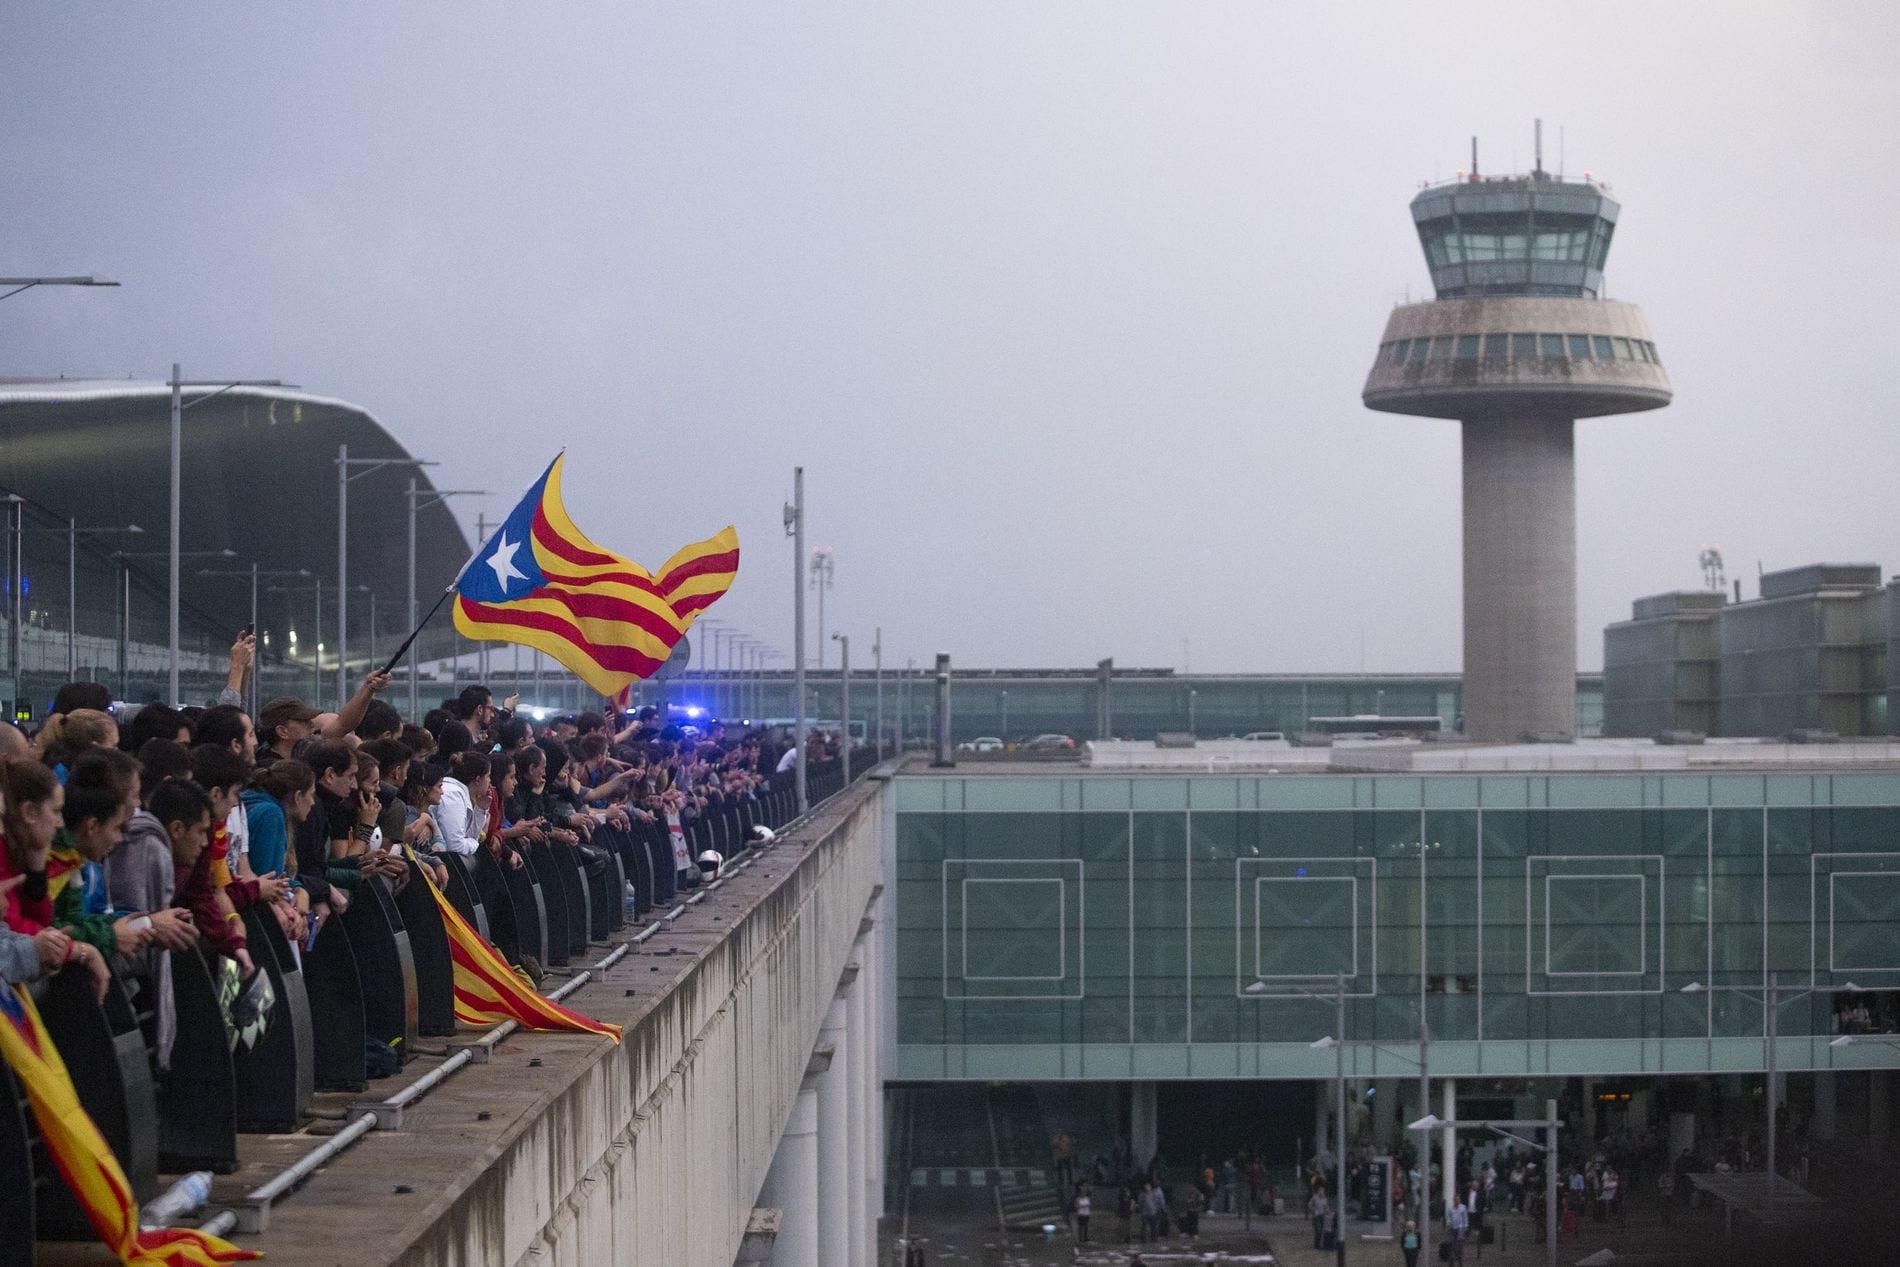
(1517, 347)
(1520, 579)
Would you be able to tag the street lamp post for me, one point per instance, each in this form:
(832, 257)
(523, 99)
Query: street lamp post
(1337, 1039)
(877, 685)
(418, 500)
(795, 529)
(255, 574)
(821, 568)
(1772, 1003)
(1550, 1124)
(844, 704)
(348, 470)
(173, 556)
(1005, 710)
(179, 406)
(73, 532)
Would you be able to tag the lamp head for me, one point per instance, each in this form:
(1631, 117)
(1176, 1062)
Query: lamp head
(1324, 1044)
(1845, 1040)
(1430, 1122)
(1254, 987)
(1694, 987)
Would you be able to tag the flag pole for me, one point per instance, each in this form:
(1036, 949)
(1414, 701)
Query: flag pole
(414, 633)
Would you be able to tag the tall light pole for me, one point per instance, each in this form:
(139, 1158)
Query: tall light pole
(877, 686)
(348, 470)
(173, 556)
(18, 284)
(821, 568)
(1771, 1003)
(255, 574)
(1260, 989)
(316, 636)
(710, 673)
(16, 563)
(844, 703)
(419, 500)
(179, 406)
(73, 533)
(1550, 1124)
(795, 529)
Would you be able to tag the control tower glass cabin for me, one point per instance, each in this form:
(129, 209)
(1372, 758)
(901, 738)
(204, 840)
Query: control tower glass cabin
(1517, 345)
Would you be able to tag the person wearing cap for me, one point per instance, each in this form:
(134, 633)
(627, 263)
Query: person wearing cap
(284, 724)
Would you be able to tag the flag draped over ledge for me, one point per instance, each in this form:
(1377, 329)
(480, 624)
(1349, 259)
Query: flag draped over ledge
(84, 1158)
(541, 583)
(487, 991)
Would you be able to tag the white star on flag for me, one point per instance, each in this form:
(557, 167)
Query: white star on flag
(503, 561)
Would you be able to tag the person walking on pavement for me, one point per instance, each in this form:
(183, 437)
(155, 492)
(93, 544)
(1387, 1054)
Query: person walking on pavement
(1064, 1149)
(1124, 1210)
(1083, 1207)
(1457, 1224)
(1318, 1208)
(1408, 1243)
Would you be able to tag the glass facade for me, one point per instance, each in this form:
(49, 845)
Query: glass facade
(1096, 926)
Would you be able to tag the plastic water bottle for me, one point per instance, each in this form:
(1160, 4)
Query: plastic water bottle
(188, 1194)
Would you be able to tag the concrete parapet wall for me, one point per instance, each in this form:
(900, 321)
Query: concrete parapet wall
(564, 1149)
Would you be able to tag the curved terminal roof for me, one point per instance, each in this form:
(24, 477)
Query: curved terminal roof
(259, 479)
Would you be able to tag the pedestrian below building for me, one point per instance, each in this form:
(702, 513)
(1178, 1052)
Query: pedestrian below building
(1124, 1211)
(1409, 1242)
(1063, 1149)
(1317, 1209)
(1154, 1211)
(1457, 1227)
(1191, 1208)
(1083, 1208)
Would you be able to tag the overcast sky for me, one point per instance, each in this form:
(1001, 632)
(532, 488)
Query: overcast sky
(1065, 309)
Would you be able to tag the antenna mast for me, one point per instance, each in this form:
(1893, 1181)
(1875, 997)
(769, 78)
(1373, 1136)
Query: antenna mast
(1537, 163)
(1474, 158)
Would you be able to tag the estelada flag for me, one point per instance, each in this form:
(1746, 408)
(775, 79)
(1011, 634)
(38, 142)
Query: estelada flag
(84, 1158)
(487, 991)
(541, 583)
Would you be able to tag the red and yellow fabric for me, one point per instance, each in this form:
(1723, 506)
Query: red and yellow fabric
(542, 583)
(83, 1157)
(487, 991)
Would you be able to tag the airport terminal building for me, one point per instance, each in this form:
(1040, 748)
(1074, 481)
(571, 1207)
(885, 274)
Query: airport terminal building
(1597, 923)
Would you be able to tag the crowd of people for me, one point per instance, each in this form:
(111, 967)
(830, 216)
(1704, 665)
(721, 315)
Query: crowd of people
(129, 832)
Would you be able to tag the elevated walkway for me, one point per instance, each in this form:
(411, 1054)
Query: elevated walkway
(559, 1148)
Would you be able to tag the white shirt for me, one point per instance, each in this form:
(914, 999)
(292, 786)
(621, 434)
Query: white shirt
(238, 828)
(1458, 1220)
(787, 761)
(459, 821)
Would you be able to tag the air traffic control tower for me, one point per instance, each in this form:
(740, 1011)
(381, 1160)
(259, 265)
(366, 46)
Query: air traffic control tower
(1517, 346)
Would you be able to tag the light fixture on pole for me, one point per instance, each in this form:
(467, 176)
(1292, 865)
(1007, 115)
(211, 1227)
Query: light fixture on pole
(421, 499)
(795, 529)
(1771, 1004)
(316, 636)
(73, 533)
(844, 704)
(709, 673)
(1550, 1124)
(179, 406)
(255, 574)
(822, 564)
(19, 284)
(1260, 989)
(349, 470)
(173, 556)
(877, 687)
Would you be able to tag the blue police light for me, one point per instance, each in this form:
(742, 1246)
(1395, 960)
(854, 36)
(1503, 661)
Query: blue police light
(694, 710)
(1299, 871)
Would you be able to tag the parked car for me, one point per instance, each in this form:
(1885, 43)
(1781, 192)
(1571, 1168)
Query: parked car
(1048, 743)
(1262, 736)
(982, 743)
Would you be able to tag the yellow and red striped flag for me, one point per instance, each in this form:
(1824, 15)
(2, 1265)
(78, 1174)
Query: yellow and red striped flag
(84, 1158)
(541, 583)
(487, 991)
